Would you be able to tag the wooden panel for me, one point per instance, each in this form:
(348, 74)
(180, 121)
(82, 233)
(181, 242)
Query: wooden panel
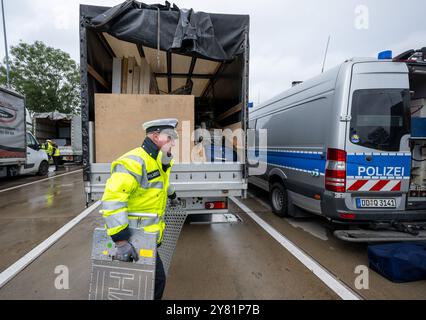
(162, 85)
(123, 49)
(180, 64)
(206, 67)
(119, 119)
(145, 77)
(151, 58)
(130, 71)
(97, 77)
(177, 83)
(136, 79)
(199, 86)
(230, 112)
(124, 75)
(116, 75)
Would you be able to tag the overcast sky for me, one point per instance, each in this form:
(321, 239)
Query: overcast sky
(288, 38)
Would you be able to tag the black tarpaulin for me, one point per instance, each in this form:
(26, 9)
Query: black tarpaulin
(212, 36)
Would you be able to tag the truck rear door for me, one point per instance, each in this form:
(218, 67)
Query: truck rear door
(378, 157)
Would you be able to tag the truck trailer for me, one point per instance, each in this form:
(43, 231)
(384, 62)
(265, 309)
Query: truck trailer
(142, 62)
(64, 129)
(20, 152)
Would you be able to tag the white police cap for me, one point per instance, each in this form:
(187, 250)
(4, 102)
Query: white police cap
(161, 125)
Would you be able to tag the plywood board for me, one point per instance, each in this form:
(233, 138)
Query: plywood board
(130, 72)
(123, 49)
(136, 79)
(180, 63)
(124, 68)
(145, 78)
(116, 75)
(119, 119)
(151, 57)
(199, 86)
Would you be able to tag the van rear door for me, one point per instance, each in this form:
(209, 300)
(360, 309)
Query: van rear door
(378, 157)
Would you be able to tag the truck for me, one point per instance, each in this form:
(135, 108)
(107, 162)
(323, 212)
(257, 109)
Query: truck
(349, 145)
(173, 53)
(20, 152)
(64, 129)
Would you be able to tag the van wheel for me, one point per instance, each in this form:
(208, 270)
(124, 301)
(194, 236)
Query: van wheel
(44, 169)
(279, 200)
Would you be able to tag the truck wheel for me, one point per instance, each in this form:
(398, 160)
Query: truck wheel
(12, 171)
(44, 169)
(279, 200)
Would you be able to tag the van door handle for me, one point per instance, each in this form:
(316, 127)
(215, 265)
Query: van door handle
(369, 158)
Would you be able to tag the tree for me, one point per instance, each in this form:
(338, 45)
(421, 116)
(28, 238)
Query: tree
(48, 77)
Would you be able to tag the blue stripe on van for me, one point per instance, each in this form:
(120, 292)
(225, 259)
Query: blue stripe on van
(292, 160)
(396, 164)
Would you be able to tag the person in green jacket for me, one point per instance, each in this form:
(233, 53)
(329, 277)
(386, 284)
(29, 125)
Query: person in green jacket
(138, 189)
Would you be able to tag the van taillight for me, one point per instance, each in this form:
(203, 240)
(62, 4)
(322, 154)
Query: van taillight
(335, 170)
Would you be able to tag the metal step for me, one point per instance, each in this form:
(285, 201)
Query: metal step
(378, 236)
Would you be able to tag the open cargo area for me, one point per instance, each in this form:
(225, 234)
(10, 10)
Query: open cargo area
(132, 74)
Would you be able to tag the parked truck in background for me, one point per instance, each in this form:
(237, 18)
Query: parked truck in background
(64, 129)
(20, 152)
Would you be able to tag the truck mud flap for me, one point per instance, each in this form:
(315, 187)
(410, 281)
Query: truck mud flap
(378, 236)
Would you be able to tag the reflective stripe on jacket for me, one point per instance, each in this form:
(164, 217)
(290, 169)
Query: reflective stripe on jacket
(137, 190)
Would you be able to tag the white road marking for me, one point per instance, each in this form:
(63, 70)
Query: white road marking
(22, 263)
(34, 182)
(323, 274)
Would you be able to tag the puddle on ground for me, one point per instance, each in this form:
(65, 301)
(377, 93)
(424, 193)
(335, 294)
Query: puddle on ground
(312, 227)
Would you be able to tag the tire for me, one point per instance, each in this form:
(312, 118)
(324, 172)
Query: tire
(279, 200)
(43, 169)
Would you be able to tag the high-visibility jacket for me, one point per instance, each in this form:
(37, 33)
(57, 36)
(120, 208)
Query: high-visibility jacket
(48, 147)
(51, 150)
(56, 152)
(137, 190)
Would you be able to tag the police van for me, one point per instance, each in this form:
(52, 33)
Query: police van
(341, 146)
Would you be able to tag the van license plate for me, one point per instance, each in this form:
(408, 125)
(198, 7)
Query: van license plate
(376, 203)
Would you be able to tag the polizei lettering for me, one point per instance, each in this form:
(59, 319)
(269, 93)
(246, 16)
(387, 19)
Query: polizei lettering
(381, 171)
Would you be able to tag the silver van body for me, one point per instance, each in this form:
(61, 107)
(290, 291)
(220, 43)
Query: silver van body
(338, 111)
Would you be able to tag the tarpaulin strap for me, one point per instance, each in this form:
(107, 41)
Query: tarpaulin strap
(158, 38)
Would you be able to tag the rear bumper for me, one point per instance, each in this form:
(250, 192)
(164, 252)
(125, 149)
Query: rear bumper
(334, 209)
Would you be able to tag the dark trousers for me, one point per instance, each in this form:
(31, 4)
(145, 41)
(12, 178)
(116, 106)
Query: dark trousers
(160, 279)
(56, 162)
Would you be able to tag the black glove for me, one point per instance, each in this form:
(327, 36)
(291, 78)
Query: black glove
(174, 201)
(126, 252)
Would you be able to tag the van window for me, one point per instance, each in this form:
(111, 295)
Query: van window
(380, 118)
(31, 142)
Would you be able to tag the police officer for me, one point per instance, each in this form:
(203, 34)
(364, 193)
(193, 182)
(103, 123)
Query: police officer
(55, 155)
(138, 190)
(52, 151)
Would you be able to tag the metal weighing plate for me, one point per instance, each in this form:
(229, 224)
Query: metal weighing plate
(116, 280)
(174, 219)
